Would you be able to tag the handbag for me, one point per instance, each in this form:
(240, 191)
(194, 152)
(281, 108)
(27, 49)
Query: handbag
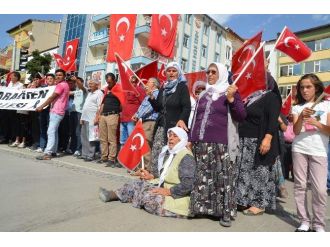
(94, 133)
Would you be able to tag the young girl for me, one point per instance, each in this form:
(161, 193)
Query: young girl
(309, 152)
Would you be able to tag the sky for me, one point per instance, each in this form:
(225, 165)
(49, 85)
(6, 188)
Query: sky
(245, 25)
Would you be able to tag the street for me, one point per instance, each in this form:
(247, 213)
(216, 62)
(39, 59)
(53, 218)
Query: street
(61, 195)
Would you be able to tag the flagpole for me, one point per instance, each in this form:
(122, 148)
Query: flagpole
(278, 39)
(318, 100)
(140, 81)
(142, 162)
(248, 63)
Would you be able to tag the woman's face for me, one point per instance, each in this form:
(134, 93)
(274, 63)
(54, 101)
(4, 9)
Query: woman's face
(307, 90)
(212, 75)
(172, 74)
(173, 139)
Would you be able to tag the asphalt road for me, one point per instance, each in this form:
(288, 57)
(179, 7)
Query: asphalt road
(62, 196)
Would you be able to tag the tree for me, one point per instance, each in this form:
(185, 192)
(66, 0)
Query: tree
(39, 63)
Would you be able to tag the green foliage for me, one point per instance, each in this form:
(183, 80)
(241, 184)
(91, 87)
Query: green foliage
(39, 63)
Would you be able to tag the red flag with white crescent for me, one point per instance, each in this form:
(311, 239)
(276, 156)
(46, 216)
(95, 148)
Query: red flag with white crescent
(286, 106)
(292, 46)
(125, 74)
(68, 62)
(163, 34)
(253, 78)
(147, 71)
(121, 36)
(135, 147)
(244, 54)
(196, 81)
(161, 75)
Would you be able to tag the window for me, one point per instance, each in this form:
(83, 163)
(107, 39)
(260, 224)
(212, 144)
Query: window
(325, 65)
(291, 69)
(317, 66)
(311, 45)
(204, 51)
(206, 29)
(309, 67)
(318, 45)
(217, 57)
(228, 52)
(189, 19)
(186, 40)
(184, 64)
(202, 68)
(218, 38)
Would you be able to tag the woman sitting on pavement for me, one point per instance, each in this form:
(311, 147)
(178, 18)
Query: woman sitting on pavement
(170, 194)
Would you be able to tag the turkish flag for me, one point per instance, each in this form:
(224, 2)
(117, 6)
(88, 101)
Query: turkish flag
(8, 78)
(135, 147)
(244, 54)
(121, 36)
(286, 106)
(148, 71)
(125, 73)
(196, 80)
(161, 75)
(68, 62)
(253, 77)
(163, 34)
(119, 93)
(292, 46)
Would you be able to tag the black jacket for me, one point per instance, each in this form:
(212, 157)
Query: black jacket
(173, 107)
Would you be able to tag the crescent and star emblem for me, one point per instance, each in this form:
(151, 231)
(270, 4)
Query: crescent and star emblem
(133, 147)
(163, 30)
(120, 21)
(286, 42)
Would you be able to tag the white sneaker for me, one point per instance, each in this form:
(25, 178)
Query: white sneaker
(21, 145)
(39, 150)
(15, 144)
(77, 153)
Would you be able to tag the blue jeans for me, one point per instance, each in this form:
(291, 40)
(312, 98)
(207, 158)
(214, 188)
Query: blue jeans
(43, 121)
(328, 182)
(52, 133)
(125, 130)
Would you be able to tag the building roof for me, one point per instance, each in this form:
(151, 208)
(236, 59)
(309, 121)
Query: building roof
(228, 29)
(27, 22)
(304, 31)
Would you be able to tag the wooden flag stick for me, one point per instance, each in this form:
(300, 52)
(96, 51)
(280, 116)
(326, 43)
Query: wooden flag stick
(278, 39)
(318, 100)
(142, 162)
(140, 81)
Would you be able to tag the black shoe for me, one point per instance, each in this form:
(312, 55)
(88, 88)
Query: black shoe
(225, 223)
(88, 159)
(81, 157)
(118, 165)
(300, 230)
(111, 164)
(100, 161)
(107, 195)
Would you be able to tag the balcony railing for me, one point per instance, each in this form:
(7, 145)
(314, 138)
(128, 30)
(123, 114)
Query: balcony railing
(103, 33)
(96, 60)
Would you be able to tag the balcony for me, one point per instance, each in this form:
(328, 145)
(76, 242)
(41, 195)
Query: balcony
(96, 63)
(99, 17)
(142, 29)
(99, 37)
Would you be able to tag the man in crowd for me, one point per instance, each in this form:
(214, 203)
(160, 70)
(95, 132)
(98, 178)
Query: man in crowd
(59, 100)
(148, 116)
(89, 110)
(133, 101)
(108, 119)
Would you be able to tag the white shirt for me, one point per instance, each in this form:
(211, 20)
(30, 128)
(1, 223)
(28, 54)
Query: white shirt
(312, 141)
(92, 104)
(17, 85)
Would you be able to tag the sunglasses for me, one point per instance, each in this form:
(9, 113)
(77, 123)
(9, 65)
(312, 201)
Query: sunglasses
(213, 72)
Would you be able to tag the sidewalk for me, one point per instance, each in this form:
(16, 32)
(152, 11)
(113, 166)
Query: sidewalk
(285, 208)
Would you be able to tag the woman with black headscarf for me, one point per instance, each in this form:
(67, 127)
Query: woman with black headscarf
(259, 148)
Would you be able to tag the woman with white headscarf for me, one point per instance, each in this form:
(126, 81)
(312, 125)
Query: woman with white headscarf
(173, 105)
(170, 194)
(215, 144)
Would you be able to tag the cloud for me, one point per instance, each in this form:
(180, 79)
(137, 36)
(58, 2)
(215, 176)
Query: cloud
(321, 17)
(222, 19)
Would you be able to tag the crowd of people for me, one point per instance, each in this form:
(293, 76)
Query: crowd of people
(211, 156)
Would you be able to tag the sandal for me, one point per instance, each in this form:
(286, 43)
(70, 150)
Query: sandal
(44, 157)
(249, 212)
